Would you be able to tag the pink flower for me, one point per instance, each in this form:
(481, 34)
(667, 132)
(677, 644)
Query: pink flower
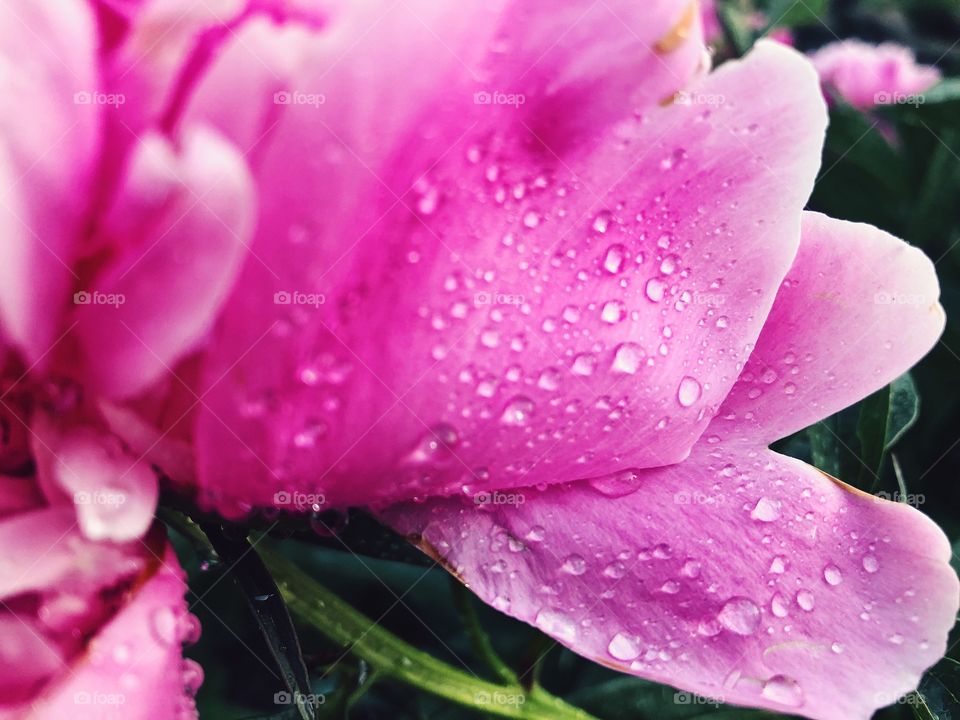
(866, 75)
(92, 627)
(522, 279)
(92, 610)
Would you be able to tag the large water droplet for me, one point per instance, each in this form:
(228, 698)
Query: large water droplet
(623, 647)
(627, 358)
(832, 575)
(805, 600)
(613, 259)
(574, 565)
(783, 690)
(740, 616)
(765, 510)
(556, 624)
(584, 364)
(518, 411)
(688, 391)
(870, 563)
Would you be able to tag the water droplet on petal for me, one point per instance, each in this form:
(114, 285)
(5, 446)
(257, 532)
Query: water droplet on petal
(765, 510)
(805, 600)
(518, 411)
(832, 576)
(574, 565)
(783, 690)
(623, 647)
(556, 624)
(689, 391)
(740, 616)
(870, 563)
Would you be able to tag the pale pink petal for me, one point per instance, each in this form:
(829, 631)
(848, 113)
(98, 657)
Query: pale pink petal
(48, 138)
(190, 212)
(521, 317)
(133, 668)
(866, 75)
(27, 661)
(858, 308)
(739, 575)
(114, 493)
(43, 549)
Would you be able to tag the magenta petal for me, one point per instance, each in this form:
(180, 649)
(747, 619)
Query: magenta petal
(48, 139)
(739, 575)
(187, 215)
(858, 308)
(515, 298)
(133, 669)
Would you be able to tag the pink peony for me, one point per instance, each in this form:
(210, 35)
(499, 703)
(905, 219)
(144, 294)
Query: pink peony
(866, 75)
(522, 279)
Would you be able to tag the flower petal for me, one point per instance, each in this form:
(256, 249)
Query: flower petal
(48, 138)
(499, 319)
(858, 308)
(191, 211)
(739, 575)
(133, 668)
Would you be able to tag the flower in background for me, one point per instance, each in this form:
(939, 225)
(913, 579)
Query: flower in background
(866, 75)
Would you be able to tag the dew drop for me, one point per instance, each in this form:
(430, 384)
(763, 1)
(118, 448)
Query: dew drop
(689, 391)
(805, 600)
(740, 616)
(832, 575)
(623, 647)
(574, 565)
(870, 563)
(765, 510)
(556, 624)
(518, 411)
(783, 690)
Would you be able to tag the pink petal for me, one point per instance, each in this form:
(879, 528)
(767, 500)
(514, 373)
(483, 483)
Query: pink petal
(114, 493)
(133, 668)
(49, 127)
(27, 661)
(866, 75)
(740, 575)
(186, 215)
(468, 331)
(43, 548)
(18, 494)
(858, 308)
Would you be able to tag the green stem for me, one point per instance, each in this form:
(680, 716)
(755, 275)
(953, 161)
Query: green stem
(479, 639)
(394, 658)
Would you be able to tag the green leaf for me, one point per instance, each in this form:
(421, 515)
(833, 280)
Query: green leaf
(825, 446)
(394, 658)
(884, 417)
(792, 13)
(947, 90)
(273, 618)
